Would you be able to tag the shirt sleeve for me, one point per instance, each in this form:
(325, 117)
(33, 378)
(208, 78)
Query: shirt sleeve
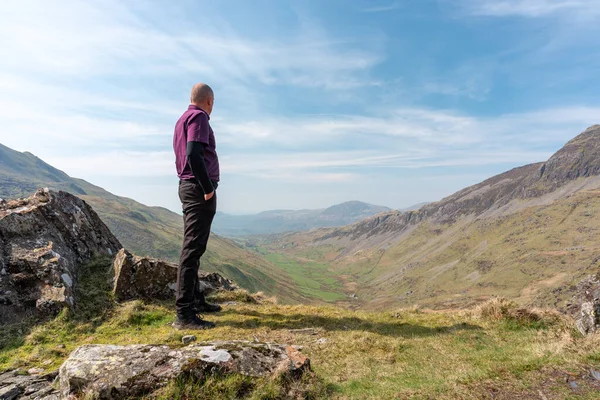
(198, 130)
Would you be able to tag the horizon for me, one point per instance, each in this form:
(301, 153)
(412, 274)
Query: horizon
(394, 103)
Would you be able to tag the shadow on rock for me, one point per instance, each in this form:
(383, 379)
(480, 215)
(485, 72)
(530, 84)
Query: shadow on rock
(93, 306)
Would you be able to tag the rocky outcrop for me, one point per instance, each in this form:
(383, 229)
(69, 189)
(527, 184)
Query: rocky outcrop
(117, 372)
(15, 385)
(43, 241)
(579, 158)
(143, 277)
(584, 307)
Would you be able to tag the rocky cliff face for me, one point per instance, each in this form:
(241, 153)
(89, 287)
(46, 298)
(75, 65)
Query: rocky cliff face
(43, 241)
(579, 158)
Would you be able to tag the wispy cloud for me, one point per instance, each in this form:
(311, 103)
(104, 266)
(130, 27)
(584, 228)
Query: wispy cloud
(383, 7)
(535, 8)
(107, 38)
(402, 139)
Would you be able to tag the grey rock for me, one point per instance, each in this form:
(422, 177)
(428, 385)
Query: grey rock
(584, 306)
(588, 321)
(116, 372)
(188, 339)
(36, 371)
(144, 277)
(14, 385)
(573, 385)
(9, 392)
(53, 396)
(38, 389)
(44, 239)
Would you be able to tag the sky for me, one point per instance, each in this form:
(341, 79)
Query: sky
(316, 102)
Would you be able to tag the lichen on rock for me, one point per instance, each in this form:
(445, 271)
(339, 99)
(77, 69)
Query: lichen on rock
(144, 277)
(44, 239)
(115, 372)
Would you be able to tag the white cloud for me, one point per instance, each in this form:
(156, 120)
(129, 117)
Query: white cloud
(98, 38)
(535, 8)
(383, 7)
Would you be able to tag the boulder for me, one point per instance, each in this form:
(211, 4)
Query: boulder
(589, 318)
(117, 372)
(144, 277)
(584, 306)
(43, 241)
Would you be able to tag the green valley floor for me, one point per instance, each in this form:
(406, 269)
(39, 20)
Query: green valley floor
(495, 351)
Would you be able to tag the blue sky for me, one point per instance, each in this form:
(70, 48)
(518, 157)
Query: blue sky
(317, 102)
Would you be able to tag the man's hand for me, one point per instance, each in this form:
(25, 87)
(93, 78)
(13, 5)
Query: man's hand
(209, 196)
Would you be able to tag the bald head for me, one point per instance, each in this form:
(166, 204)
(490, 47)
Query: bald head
(203, 97)
(200, 93)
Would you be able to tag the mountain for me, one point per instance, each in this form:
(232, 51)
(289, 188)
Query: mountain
(278, 221)
(530, 233)
(153, 231)
(22, 173)
(414, 207)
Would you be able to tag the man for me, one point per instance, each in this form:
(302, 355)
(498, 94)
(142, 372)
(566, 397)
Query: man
(198, 171)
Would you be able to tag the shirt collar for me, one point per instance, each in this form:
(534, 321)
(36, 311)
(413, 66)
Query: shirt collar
(195, 107)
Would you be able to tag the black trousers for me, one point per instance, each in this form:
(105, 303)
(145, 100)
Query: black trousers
(198, 215)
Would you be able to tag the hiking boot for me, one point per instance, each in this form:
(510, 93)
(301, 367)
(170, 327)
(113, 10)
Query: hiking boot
(204, 307)
(192, 323)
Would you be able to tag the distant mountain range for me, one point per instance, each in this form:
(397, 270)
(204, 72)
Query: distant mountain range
(278, 221)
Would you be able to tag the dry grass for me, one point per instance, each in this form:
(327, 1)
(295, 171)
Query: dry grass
(242, 296)
(501, 309)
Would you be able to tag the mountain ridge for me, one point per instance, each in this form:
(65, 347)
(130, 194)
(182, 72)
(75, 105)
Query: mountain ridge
(528, 234)
(280, 221)
(520, 183)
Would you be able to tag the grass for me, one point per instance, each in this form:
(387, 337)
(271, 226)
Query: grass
(313, 279)
(407, 353)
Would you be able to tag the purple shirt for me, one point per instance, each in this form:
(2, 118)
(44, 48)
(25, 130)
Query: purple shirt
(193, 126)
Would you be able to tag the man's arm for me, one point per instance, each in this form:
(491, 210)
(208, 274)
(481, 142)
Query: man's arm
(197, 141)
(195, 156)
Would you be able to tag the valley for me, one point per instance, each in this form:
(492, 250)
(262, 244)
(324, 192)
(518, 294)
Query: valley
(525, 256)
(530, 234)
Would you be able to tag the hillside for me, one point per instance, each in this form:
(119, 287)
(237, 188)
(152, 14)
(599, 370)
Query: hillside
(278, 221)
(529, 234)
(494, 351)
(153, 231)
